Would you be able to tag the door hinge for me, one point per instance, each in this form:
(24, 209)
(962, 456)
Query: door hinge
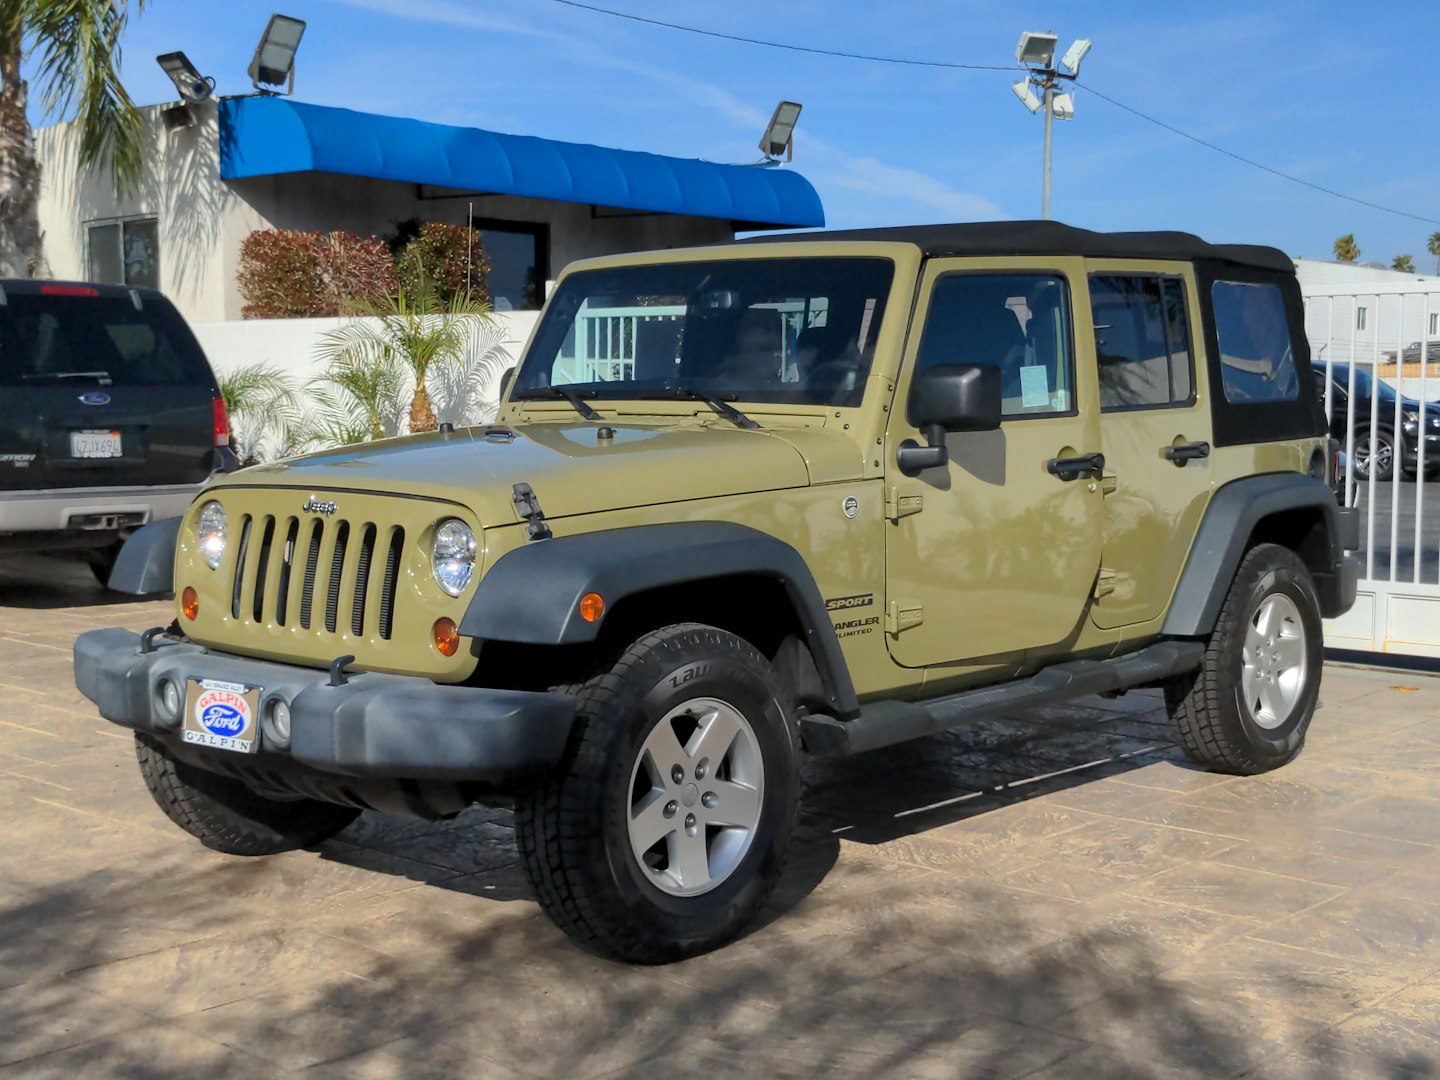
(1104, 583)
(1108, 484)
(902, 615)
(898, 506)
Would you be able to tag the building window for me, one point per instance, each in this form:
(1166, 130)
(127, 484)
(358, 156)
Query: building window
(1434, 324)
(1360, 318)
(125, 252)
(519, 254)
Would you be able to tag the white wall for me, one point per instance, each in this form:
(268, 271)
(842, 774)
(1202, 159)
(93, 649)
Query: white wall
(290, 346)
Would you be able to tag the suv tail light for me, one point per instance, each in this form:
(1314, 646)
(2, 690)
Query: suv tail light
(222, 422)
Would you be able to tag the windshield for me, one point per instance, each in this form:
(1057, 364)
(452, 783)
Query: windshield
(1364, 382)
(779, 330)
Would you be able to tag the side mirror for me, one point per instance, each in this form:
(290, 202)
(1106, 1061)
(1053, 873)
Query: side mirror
(505, 383)
(946, 398)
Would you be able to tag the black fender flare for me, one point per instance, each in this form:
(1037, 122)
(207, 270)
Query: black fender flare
(146, 563)
(532, 594)
(1225, 530)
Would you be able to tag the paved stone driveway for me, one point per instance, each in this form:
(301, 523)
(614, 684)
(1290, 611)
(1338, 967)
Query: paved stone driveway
(1054, 895)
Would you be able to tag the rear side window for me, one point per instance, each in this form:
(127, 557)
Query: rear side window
(1142, 341)
(106, 340)
(1257, 363)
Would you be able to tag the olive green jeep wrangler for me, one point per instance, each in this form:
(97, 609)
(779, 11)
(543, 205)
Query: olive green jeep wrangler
(812, 494)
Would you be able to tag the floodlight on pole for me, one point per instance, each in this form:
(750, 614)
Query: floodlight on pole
(1036, 51)
(1026, 95)
(274, 61)
(779, 137)
(194, 87)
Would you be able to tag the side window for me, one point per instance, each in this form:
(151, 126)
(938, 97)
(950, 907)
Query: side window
(1020, 323)
(1256, 361)
(1142, 341)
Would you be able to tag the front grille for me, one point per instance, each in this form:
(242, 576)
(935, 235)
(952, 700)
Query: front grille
(334, 581)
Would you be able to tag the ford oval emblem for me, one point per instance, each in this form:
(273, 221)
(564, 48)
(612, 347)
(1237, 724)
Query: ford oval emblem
(221, 712)
(95, 397)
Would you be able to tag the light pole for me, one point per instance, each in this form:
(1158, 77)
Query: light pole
(1036, 51)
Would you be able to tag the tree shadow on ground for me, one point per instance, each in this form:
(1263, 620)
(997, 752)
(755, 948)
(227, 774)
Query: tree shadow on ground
(902, 978)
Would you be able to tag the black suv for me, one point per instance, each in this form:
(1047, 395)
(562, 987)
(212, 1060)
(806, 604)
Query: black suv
(1411, 421)
(110, 417)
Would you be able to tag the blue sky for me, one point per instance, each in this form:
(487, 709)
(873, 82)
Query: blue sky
(1333, 92)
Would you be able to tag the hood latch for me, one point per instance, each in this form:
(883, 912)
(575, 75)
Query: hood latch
(527, 505)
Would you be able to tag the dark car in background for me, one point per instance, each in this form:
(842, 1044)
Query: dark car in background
(1382, 422)
(110, 417)
(1412, 351)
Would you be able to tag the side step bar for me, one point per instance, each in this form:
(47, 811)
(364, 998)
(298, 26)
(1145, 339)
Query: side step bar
(884, 723)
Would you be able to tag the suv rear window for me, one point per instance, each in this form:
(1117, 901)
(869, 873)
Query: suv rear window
(97, 339)
(1257, 363)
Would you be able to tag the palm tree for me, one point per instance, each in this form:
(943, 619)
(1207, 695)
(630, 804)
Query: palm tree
(264, 412)
(413, 329)
(74, 49)
(1434, 248)
(1404, 263)
(1345, 249)
(358, 395)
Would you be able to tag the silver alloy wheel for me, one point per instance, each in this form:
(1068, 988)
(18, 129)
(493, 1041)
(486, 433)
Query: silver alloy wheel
(1384, 456)
(1275, 661)
(695, 804)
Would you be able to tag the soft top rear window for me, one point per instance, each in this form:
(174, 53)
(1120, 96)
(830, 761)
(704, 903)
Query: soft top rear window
(47, 340)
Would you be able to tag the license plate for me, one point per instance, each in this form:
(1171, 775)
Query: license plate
(222, 715)
(95, 444)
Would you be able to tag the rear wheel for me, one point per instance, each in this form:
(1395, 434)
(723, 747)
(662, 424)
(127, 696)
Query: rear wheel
(1248, 706)
(226, 815)
(666, 827)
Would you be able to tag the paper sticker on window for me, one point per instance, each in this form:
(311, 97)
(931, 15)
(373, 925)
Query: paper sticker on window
(1034, 387)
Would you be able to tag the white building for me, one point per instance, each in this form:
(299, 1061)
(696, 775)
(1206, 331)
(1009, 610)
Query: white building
(1365, 313)
(217, 171)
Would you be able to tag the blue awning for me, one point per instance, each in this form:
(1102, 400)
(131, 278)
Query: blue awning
(267, 136)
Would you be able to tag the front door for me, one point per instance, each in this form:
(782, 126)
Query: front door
(994, 554)
(1154, 430)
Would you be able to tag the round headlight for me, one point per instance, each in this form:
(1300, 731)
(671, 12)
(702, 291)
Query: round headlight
(453, 561)
(211, 533)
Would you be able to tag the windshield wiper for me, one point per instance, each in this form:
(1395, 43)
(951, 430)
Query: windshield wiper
(98, 376)
(721, 406)
(556, 393)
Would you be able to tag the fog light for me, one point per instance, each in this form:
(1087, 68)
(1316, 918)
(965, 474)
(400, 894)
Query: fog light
(189, 603)
(167, 700)
(279, 717)
(446, 636)
(592, 606)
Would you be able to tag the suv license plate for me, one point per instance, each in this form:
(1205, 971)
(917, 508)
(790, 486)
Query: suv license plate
(222, 715)
(95, 444)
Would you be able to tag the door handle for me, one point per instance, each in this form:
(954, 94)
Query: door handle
(1072, 468)
(1179, 453)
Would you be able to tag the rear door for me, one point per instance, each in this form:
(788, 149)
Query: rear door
(100, 387)
(1154, 430)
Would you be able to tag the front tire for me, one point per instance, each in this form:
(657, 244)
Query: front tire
(1384, 456)
(226, 815)
(1246, 709)
(666, 827)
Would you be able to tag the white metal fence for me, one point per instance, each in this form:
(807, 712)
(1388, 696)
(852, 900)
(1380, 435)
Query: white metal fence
(1382, 394)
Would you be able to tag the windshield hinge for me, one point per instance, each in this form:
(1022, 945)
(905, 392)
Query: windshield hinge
(898, 506)
(527, 505)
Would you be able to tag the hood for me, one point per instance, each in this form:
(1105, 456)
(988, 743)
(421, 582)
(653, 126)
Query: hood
(571, 470)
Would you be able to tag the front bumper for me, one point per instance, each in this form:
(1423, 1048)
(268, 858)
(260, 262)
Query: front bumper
(372, 725)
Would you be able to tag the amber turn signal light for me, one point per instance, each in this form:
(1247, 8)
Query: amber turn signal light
(446, 636)
(592, 606)
(189, 603)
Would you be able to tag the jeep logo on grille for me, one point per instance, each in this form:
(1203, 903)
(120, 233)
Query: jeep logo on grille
(316, 506)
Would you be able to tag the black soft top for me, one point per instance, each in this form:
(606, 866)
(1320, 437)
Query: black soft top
(1050, 238)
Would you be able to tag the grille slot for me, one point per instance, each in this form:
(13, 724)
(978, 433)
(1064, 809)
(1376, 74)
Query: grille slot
(337, 568)
(262, 567)
(362, 580)
(240, 553)
(282, 596)
(307, 586)
(387, 584)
